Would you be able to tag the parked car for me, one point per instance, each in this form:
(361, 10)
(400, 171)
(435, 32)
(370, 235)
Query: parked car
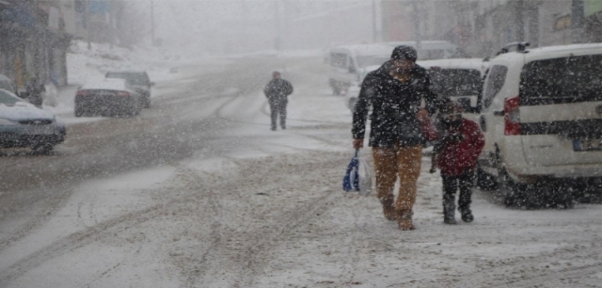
(138, 80)
(108, 97)
(348, 63)
(24, 125)
(541, 114)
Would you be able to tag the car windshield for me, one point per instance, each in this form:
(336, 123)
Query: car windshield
(8, 99)
(562, 80)
(365, 61)
(6, 86)
(132, 78)
(455, 82)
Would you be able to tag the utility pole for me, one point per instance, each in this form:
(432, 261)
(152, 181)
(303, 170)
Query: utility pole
(374, 29)
(87, 21)
(416, 18)
(152, 17)
(278, 39)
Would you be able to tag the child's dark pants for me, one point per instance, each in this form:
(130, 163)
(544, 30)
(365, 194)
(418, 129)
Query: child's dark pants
(451, 184)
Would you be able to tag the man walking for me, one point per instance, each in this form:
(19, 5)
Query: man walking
(395, 92)
(277, 91)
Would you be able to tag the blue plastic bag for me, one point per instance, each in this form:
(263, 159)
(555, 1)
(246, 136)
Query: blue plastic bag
(357, 177)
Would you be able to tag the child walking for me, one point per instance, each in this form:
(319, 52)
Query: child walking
(456, 154)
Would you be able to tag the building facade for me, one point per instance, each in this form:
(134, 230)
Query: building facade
(36, 34)
(482, 27)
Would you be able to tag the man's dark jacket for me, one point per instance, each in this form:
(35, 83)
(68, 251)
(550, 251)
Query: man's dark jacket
(278, 89)
(394, 107)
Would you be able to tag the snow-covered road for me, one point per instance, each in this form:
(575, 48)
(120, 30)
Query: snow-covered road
(198, 192)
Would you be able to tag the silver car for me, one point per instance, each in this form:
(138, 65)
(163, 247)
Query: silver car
(25, 125)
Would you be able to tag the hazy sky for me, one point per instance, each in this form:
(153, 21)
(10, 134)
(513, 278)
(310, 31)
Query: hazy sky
(235, 25)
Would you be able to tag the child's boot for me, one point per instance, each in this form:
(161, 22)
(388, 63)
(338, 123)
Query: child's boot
(449, 211)
(466, 214)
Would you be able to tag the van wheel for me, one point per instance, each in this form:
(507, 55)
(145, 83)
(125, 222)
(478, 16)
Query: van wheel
(485, 181)
(514, 193)
(79, 112)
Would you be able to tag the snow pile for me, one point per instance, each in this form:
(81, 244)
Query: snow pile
(90, 62)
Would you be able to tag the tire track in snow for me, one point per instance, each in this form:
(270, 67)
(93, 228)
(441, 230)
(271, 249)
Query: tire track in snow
(253, 248)
(58, 201)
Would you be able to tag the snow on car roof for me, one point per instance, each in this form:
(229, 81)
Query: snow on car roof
(107, 84)
(127, 71)
(429, 44)
(366, 49)
(459, 63)
(566, 48)
(551, 52)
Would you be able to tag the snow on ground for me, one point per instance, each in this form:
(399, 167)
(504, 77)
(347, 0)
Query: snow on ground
(273, 215)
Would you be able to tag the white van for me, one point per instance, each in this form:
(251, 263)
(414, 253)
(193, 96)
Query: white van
(347, 63)
(431, 49)
(541, 115)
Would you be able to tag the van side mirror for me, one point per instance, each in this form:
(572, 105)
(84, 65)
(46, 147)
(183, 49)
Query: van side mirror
(352, 69)
(464, 102)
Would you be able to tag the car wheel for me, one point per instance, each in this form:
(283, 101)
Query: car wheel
(42, 148)
(147, 102)
(79, 112)
(513, 192)
(485, 181)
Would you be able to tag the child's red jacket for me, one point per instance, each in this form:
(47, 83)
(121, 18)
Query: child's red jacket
(461, 156)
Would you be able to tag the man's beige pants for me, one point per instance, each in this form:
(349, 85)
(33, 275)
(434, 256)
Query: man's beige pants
(391, 162)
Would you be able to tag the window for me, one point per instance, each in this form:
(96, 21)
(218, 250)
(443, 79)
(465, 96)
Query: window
(7, 99)
(373, 60)
(494, 84)
(338, 60)
(7, 86)
(562, 80)
(455, 82)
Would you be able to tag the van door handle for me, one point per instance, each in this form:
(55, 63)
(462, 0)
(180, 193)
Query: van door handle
(498, 113)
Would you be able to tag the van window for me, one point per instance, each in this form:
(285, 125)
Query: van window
(494, 84)
(455, 82)
(431, 54)
(372, 60)
(338, 60)
(562, 80)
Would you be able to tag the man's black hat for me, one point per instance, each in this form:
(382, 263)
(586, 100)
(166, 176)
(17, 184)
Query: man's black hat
(404, 52)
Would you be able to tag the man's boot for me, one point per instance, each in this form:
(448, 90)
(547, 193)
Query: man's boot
(466, 214)
(388, 208)
(404, 220)
(449, 210)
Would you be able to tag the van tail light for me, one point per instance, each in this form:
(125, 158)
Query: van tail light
(123, 94)
(83, 93)
(511, 116)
